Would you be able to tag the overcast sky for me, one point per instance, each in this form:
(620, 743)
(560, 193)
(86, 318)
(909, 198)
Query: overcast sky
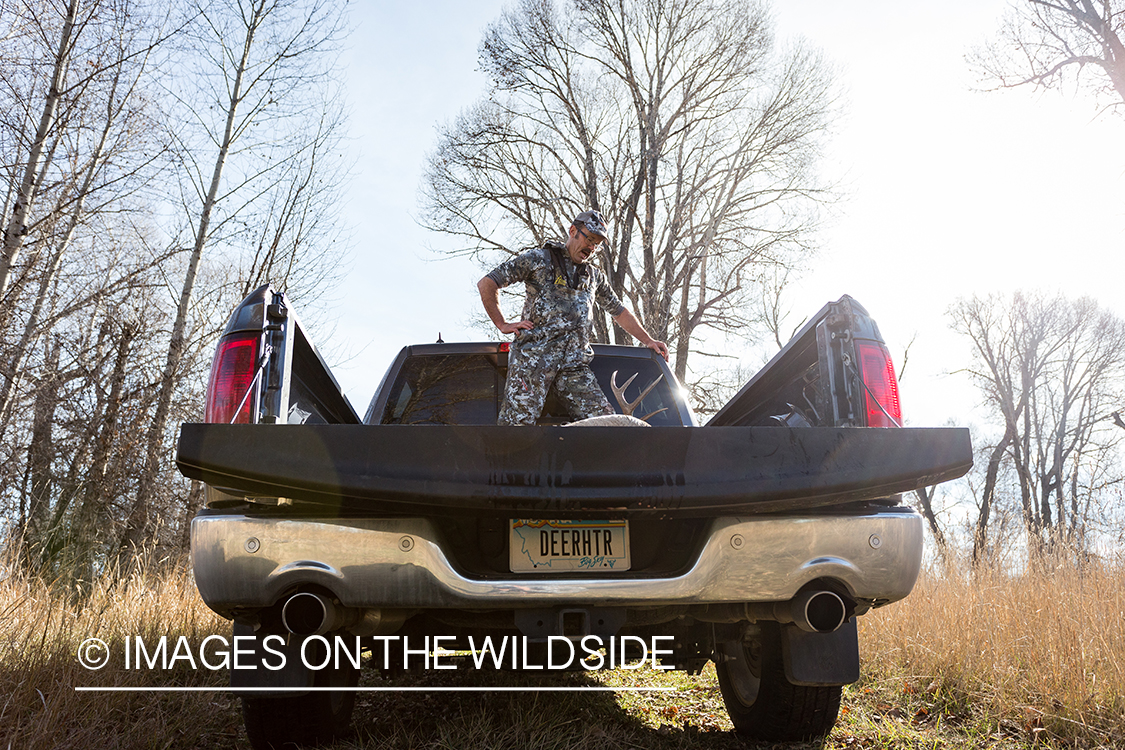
(948, 191)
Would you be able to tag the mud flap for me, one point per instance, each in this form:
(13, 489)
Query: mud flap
(277, 664)
(813, 659)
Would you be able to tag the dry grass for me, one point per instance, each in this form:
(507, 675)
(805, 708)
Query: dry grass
(1002, 662)
(1038, 655)
(40, 633)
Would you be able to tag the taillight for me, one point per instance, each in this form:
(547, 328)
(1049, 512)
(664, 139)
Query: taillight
(880, 392)
(232, 373)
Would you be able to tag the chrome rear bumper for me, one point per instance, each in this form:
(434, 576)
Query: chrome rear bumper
(244, 562)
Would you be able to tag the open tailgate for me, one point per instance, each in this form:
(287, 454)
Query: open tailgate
(570, 472)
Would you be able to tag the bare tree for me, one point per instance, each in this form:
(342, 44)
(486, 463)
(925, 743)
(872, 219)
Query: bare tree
(265, 65)
(89, 391)
(95, 176)
(679, 120)
(299, 241)
(85, 316)
(77, 150)
(1051, 370)
(15, 227)
(1053, 43)
(112, 40)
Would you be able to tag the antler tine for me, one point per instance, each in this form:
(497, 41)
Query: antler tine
(619, 391)
(627, 407)
(648, 390)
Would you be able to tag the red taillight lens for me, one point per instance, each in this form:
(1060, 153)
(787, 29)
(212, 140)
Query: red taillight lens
(232, 372)
(881, 385)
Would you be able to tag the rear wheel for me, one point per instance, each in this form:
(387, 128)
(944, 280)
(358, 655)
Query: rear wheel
(761, 702)
(302, 720)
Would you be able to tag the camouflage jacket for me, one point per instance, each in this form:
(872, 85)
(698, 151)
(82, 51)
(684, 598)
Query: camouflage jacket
(560, 301)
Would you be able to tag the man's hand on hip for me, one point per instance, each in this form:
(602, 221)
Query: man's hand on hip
(523, 325)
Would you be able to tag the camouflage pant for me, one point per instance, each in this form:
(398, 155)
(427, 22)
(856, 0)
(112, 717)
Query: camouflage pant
(527, 389)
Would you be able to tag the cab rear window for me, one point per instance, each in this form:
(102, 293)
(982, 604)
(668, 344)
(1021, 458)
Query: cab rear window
(445, 389)
(466, 389)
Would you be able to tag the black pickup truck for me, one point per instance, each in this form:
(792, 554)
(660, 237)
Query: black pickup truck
(755, 540)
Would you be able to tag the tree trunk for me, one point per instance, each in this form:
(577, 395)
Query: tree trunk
(95, 498)
(194, 503)
(40, 452)
(48, 276)
(16, 229)
(925, 499)
(980, 531)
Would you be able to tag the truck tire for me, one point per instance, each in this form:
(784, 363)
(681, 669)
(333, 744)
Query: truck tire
(302, 720)
(762, 703)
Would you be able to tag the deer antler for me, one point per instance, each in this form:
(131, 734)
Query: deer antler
(627, 407)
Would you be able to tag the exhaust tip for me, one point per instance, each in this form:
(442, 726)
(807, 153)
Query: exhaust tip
(307, 614)
(819, 611)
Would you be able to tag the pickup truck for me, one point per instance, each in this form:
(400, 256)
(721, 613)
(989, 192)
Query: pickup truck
(754, 541)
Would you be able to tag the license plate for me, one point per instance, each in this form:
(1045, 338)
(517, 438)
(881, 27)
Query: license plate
(563, 546)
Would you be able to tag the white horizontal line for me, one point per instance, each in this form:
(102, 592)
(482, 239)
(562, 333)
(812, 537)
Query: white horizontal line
(374, 689)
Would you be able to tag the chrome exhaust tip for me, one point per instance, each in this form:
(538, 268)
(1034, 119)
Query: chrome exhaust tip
(309, 614)
(818, 611)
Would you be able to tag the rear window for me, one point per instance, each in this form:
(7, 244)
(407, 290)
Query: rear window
(466, 389)
(445, 389)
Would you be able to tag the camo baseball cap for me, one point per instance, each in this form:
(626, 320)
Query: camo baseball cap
(593, 221)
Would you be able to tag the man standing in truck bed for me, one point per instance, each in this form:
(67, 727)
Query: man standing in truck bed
(552, 346)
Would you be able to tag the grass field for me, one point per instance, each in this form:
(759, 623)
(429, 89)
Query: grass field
(1001, 662)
